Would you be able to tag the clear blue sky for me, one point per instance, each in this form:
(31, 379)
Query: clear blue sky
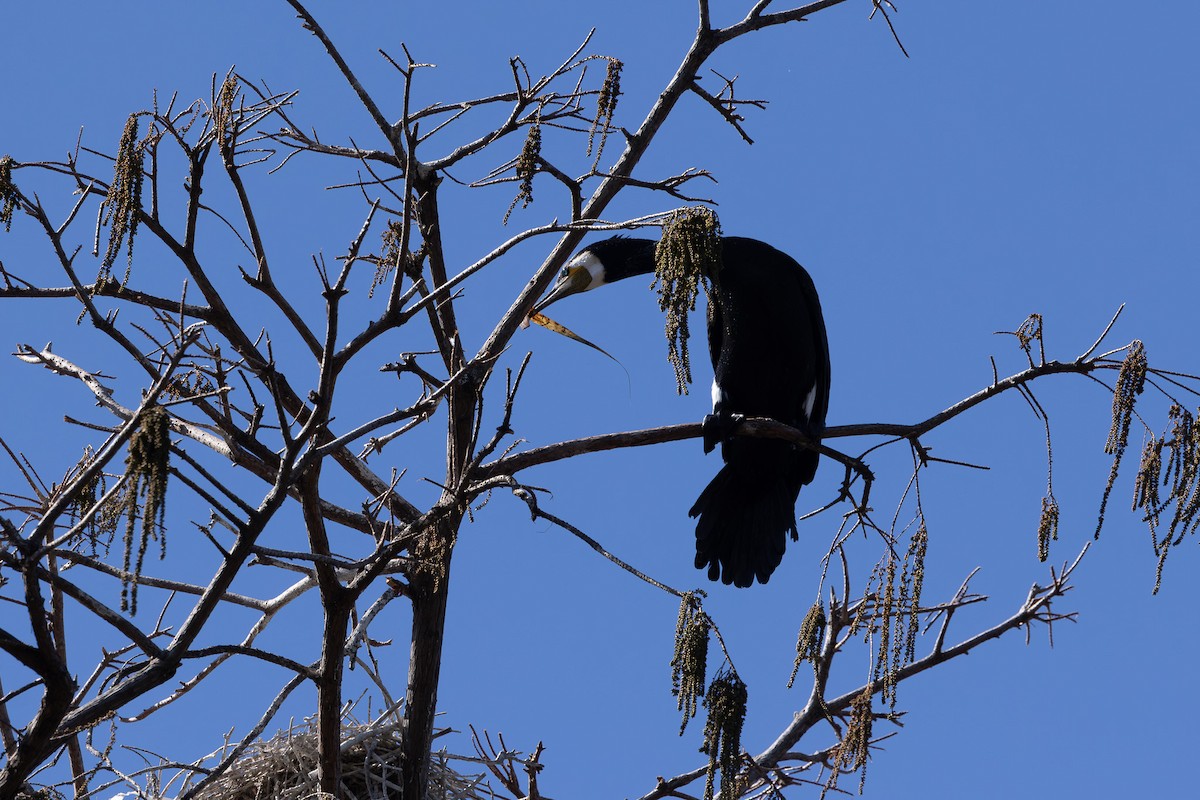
(1027, 157)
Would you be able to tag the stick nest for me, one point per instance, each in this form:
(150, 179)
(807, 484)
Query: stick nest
(285, 768)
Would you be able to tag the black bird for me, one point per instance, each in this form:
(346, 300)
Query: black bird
(770, 356)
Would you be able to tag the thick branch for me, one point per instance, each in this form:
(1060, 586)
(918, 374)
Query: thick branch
(761, 427)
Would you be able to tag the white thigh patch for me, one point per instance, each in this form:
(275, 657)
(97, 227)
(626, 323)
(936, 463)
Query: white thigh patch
(718, 397)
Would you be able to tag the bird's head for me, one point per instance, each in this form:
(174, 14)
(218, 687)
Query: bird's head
(583, 272)
(602, 262)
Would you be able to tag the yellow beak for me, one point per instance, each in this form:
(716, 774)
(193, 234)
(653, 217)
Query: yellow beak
(574, 281)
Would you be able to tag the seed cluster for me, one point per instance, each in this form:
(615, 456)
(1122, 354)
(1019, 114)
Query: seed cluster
(689, 250)
(855, 747)
(527, 166)
(808, 642)
(606, 107)
(1047, 526)
(223, 118)
(8, 192)
(726, 704)
(689, 664)
(124, 201)
(1131, 380)
(1178, 470)
(146, 471)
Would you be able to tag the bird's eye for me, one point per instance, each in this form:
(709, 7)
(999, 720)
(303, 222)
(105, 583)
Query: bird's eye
(562, 275)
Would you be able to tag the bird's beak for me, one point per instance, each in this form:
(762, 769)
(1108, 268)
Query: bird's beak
(573, 281)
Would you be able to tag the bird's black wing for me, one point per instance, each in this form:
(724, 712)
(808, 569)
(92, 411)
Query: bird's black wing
(715, 337)
(822, 372)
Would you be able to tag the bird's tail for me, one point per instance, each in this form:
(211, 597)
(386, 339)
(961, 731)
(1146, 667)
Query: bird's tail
(745, 516)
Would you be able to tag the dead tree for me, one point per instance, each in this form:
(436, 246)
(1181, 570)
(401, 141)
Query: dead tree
(211, 379)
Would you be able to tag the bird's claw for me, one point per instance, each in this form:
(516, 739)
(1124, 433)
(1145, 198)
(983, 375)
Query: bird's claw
(718, 427)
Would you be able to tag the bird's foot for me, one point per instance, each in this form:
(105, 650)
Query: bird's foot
(718, 427)
(813, 432)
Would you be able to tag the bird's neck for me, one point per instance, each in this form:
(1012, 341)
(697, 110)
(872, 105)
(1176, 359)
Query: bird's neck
(635, 256)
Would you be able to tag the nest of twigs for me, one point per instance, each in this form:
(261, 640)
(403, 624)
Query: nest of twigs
(285, 768)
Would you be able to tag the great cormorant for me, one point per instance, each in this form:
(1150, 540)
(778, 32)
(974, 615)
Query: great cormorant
(770, 356)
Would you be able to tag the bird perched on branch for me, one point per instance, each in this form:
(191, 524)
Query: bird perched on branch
(770, 356)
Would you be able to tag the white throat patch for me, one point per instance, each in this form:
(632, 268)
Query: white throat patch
(587, 260)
